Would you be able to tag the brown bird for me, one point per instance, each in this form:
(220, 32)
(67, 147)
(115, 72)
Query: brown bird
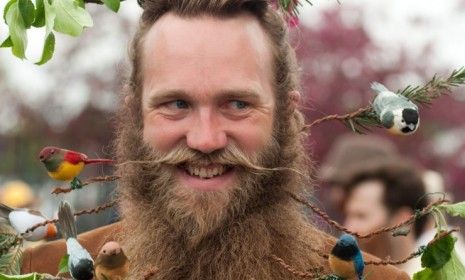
(111, 262)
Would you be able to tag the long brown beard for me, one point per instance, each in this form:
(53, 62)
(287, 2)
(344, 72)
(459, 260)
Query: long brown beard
(220, 235)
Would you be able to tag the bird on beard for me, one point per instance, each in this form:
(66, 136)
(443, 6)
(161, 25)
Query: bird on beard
(22, 219)
(66, 165)
(111, 262)
(80, 263)
(396, 112)
(346, 260)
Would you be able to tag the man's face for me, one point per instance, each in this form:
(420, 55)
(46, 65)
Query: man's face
(207, 84)
(364, 209)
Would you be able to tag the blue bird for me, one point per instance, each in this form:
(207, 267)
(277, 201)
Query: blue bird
(80, 263)
(346, 260)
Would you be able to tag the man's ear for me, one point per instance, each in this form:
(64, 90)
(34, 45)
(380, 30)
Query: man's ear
(128, 100)
(294, 97)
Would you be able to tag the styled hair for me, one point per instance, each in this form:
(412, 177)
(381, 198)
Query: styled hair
(402, 186)
(285, 78)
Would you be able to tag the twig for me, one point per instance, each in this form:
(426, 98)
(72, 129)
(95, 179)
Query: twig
(339, 117)
(414, 254)
(88, 211)
(111, 178)
(295, 271)
(335, 224)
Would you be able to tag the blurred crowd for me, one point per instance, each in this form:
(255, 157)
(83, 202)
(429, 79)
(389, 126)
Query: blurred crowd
(367, 185)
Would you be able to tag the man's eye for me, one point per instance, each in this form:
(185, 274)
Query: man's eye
(238, 104)
(178, 104)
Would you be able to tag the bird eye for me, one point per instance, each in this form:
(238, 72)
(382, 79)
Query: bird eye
(104, 251)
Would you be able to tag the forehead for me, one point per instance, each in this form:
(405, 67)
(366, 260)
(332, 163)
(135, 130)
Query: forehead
(367, 193)
(227, 49)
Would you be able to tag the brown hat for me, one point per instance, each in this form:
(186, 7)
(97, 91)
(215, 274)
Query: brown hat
(352, 150)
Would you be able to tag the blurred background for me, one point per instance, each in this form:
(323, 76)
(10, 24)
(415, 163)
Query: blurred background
(342, 47)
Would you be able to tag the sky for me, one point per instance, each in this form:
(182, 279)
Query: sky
(391, 24)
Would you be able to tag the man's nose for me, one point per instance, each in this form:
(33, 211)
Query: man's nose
(206, 134)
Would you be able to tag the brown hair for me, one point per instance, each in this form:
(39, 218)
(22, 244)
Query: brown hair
(286, 76)
(402, 184)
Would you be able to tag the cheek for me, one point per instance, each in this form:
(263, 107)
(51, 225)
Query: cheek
(161, 134)
(252, 135)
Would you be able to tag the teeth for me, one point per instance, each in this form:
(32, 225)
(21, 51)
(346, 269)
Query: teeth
(205, 172)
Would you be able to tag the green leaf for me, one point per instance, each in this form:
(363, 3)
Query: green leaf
(457, 209)
(27, 11)
(49, 48)
(7, 7)
(80, 3)
(425, 274)
(452, 270)
(63, 265)
(50, 16)
(39, 21)
(70, 18)
(112, 4)
(7, 43)
(17, 30)
(10, 263)
(30, 276)
(438, 253)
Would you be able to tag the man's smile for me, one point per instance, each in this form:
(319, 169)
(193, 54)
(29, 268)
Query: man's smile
(209, 177)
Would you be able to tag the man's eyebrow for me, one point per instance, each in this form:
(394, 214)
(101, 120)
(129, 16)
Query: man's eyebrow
(240, 93)
(160, 96)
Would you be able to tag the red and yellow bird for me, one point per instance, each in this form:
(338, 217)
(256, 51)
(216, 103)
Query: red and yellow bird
(66, 165)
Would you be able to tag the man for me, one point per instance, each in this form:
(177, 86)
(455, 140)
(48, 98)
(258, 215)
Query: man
(211, 125)
(348, 153)
(385, 194)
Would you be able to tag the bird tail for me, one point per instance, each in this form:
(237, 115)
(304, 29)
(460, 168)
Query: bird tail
(98, 160)
(66, 220)
(5, 210)
(378, 88)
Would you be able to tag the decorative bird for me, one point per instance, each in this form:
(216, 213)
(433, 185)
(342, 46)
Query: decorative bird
(346, 260)
(23, 219)
(396, 112)
(111, 262)
(65, 165)
(80, 263)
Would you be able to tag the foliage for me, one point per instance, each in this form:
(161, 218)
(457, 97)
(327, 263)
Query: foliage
(63, 265)
(457, 209)
(63, 16)
(10, 262)
(68, 17)
(438, 254)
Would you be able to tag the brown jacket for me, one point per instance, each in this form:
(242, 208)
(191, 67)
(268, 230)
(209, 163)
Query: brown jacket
(45, 258)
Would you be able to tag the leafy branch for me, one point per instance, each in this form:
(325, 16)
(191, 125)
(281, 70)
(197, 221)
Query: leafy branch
(70, 17)
(64, 16)
(365, 118)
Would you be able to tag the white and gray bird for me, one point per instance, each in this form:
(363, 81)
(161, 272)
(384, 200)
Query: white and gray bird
(396, 112)
(22, 219)
(80, 263)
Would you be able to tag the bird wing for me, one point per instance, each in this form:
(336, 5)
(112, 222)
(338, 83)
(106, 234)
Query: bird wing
(75, 157)
(359, 264)
(5, 210)
(66, 220)
(75, 250)
(378, 87)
